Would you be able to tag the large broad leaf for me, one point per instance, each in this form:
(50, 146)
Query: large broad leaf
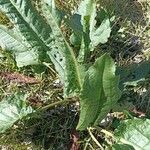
(92, 34)
(79, 23)
(12, 109)
(27, 19)
(62, 55)
(23, 55)
(85, 10)
(135, 73)
(99, 34)
(88, 12)
(43, 40)
(134, 132)
(10, 41)
(74, 22)
(99, 93)
(55, 11)
(29, 29)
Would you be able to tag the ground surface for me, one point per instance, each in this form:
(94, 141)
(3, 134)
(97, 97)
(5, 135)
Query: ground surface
(55, 128)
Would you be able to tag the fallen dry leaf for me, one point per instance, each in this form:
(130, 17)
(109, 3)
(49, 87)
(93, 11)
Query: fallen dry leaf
(18, 78)
(74, 141)
(138, 113)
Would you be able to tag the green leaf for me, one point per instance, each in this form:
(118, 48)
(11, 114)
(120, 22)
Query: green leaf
(99, 92)
(30, 30)
(74, 22)
(12, 43)
(99, 34)
(63, 56)
(134, 132)
(28, 21)
(12, 109)
(88, 12)
(75, 39)
(133, 74)
(55, 11)
(42, 38)
(85, 10)
(92, 34)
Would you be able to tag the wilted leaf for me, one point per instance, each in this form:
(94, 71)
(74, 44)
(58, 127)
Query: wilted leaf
(12, 109)
(134, 132)
(100, 92)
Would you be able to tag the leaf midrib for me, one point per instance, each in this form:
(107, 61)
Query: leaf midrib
(12, 35)
(71, 52)
(101, 93)
(30, 26)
